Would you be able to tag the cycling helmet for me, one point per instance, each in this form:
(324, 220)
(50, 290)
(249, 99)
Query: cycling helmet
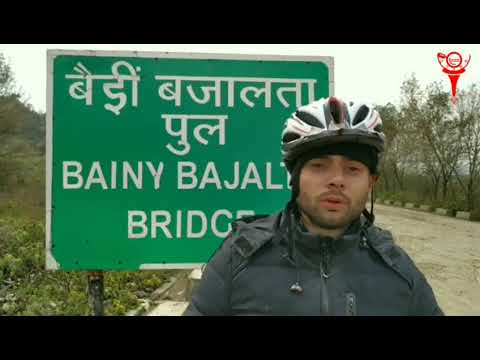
(330, 121)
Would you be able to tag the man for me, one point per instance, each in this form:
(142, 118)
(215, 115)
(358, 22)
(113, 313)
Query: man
(321, 255)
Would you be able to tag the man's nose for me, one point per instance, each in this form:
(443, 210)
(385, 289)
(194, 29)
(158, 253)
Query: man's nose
(337, 177)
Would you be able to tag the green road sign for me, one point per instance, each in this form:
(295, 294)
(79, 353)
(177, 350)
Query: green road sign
(151, 156)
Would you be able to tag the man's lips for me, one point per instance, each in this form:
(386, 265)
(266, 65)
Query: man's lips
(332, 205)
(334, 199)
(333, 202)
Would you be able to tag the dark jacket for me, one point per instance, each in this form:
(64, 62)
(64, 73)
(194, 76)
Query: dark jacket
(273, 266)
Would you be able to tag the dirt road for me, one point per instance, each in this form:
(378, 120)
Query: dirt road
(445, 249)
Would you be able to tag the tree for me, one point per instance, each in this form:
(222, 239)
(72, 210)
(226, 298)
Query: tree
(7, 81)
(404, 158)
(12, 120)
(10, 111)
(389, 115)
(18, 121)
(442, 131)
(468, 113)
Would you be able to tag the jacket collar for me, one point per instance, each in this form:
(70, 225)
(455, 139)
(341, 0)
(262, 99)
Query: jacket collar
(310, 242)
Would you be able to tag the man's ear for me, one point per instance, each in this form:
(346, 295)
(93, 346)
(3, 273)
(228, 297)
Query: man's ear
(373, 180)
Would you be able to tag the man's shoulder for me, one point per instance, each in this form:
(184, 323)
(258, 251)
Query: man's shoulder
(251, 233)
(247, 236)
(383, 241)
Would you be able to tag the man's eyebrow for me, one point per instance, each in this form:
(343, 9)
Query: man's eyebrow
(321, 157)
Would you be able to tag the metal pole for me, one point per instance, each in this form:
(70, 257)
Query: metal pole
(95, 292)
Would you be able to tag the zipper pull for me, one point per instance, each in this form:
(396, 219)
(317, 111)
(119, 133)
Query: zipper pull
(364, 243)
(296, 288)
(351, 309)
(324, 275)
(363, 240)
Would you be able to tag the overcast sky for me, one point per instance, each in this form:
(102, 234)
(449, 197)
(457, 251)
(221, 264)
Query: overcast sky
(371, 73)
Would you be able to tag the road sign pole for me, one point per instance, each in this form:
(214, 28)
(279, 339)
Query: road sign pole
(95, 292)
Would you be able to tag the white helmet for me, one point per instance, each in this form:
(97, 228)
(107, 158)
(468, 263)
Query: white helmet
(329, 121)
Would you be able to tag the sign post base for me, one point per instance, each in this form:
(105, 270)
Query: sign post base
(95, 292)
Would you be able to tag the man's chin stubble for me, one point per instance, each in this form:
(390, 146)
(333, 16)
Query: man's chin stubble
(325, 223)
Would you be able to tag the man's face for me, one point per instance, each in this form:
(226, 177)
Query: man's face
(333, 191)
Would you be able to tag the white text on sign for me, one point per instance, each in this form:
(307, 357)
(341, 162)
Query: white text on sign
(193, 224)
(189, 176)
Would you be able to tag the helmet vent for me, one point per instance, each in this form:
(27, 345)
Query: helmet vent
(360, 115)
(289, 137)
(309, 119)
(336, 111)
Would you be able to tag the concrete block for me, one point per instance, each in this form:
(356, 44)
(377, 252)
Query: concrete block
(398, 203)
(463, 215)
(192, 284)
(426, 208)
(410, 205)
(164, 289)
(169, 308)
(441, 211)
(196, 274)
(387, 202)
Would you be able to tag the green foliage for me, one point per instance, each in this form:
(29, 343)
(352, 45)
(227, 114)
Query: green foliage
(22, 152)
(22, 192)
(475, 215)
(419, 193)
(433, 148)
(7, 81)
(27, 289)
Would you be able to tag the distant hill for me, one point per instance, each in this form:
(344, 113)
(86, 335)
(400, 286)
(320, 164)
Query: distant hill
(33, 130)
(21, 128)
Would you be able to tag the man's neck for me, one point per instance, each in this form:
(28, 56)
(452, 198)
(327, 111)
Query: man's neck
(316, 230)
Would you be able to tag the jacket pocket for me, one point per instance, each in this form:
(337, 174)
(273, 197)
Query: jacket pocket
(351, 304)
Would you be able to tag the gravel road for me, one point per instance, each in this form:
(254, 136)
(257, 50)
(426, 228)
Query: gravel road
(445, 249)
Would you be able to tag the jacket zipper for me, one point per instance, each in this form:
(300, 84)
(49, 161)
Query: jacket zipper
(324, 276)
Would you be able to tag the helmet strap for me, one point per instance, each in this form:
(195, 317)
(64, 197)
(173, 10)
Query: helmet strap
(369, 215)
